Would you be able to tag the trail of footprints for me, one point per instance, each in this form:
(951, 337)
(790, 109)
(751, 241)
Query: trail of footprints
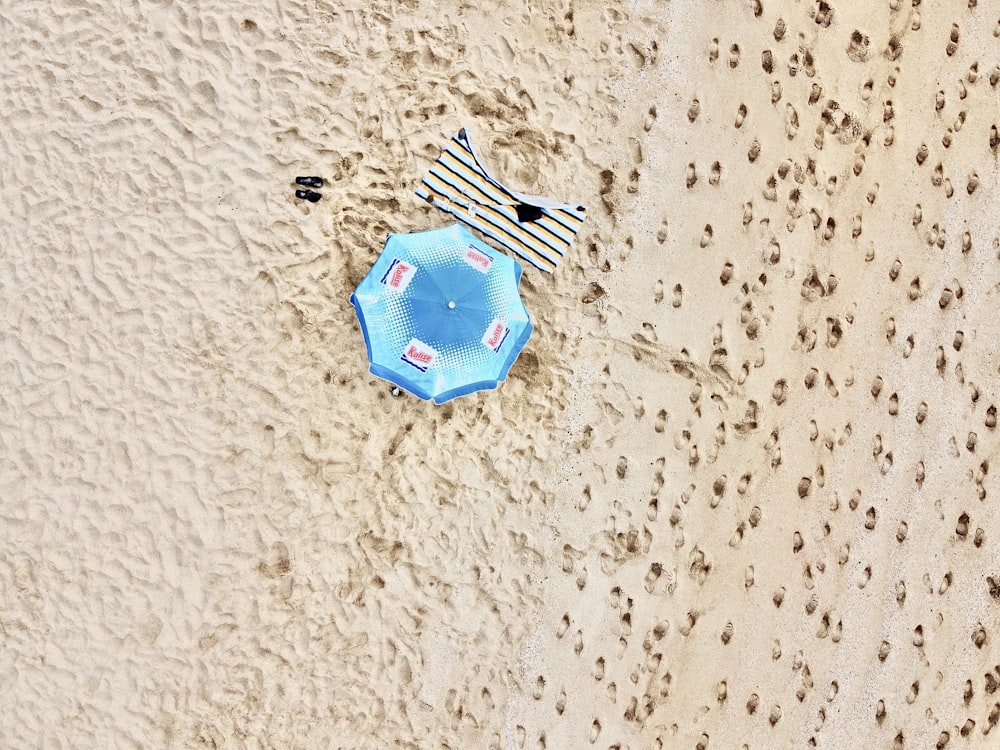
(663, 551)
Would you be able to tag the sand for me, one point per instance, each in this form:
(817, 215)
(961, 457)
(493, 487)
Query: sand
(739, 491)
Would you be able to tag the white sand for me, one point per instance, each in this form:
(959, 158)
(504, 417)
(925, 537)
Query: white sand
(739, 490)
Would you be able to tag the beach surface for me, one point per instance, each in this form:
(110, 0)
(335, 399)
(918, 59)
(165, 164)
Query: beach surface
(738, 491)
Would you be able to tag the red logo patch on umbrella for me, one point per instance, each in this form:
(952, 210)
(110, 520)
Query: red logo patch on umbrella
(419, 355)
(478, 259)
(495, 335)
(399, 275)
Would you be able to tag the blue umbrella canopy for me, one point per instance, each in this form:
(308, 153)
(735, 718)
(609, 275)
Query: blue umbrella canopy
(441, 313)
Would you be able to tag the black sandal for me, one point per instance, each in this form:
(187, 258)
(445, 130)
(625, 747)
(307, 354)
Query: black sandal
(313, 182)
(308, 195)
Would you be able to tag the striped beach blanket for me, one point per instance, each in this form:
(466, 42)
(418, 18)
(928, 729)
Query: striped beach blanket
(538, 229)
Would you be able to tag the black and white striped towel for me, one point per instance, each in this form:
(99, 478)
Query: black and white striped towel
(538, 229)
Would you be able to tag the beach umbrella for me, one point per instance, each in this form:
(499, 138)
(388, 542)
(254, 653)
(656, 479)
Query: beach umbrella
(441, 313)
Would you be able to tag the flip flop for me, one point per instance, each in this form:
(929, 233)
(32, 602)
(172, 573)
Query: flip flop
(308, 195)
(313, 182)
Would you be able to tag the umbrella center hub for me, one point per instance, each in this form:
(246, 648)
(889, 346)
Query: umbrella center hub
(451, 305)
